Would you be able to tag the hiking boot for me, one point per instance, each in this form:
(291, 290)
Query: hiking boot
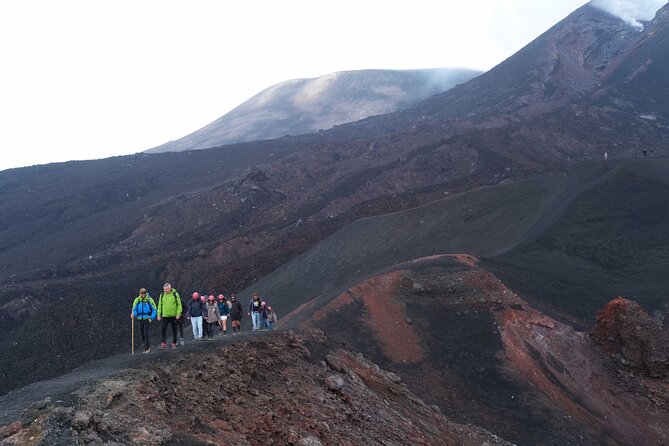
(182, 342)
(174, 345)
(163, 346)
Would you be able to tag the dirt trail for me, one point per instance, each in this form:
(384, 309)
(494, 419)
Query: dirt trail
(574, 187)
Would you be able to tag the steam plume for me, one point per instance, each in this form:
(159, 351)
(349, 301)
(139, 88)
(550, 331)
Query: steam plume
(631, 11)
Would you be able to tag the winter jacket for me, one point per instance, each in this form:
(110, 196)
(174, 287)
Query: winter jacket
(169, 304)
(196, 308)
(236, 311)
(144, 308)
(271, 316)
(213, 314)
(224, 308)
(263, 313)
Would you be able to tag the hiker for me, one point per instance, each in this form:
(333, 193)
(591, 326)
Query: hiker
(263, 316)
(213, 316)
(144, 310)
(271, 318)
(169, 311)
(236, 314)
(205, 326)
(181, 321)
(224, 310)
(194, 313)
(254, 311)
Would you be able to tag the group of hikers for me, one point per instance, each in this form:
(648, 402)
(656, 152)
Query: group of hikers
(206, 313)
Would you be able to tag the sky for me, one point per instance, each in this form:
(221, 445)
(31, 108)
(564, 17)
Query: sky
(89, 79)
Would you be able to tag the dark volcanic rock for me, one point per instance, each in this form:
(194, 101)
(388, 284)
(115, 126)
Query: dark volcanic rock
(628, 333)
(207, 399)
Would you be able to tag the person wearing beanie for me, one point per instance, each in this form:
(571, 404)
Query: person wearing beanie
(236, 314)
(271, 318)
(144, 310)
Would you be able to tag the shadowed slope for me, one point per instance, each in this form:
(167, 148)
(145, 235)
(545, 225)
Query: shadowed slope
(538, 225)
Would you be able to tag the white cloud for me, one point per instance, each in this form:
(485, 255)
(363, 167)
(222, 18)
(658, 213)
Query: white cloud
(631, 11)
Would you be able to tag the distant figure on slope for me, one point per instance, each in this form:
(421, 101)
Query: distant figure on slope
(236, 314)
(271, 318)
(254, 311)
(144, 310)
(169, 311)
(606, 156)
(224, 310)
(213, 315)
(194, 313)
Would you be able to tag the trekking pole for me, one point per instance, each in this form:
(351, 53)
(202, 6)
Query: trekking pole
(133, 335)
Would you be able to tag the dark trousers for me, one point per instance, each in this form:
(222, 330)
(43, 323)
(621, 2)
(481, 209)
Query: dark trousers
(211, 328)
(181, 326)
(205, 328)
(163, 328)
(144, 325)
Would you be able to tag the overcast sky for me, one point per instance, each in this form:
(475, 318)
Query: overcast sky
(91, 79)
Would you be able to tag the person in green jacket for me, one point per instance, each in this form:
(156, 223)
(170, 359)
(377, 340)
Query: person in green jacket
(169, 312)
(144, 310)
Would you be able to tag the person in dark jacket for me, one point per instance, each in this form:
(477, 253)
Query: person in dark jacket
(181, 321)
(144, 310)
(205, 325)
(254, 311)
(224, 309)
(236, 314)
(194, 313)
(263, 316)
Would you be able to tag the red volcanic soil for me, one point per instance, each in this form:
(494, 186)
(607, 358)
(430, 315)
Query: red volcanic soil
(461, 339)
(564, 365)
(386, 317)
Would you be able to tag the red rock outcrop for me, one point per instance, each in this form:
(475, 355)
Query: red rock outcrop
(637, 340)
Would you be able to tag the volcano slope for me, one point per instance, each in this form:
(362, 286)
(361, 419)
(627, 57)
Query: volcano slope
(462, 340)
(595, 226)
(78, 239)
(364, 283)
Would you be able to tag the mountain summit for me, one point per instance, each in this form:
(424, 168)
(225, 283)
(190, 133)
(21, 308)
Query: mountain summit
(301, 106)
